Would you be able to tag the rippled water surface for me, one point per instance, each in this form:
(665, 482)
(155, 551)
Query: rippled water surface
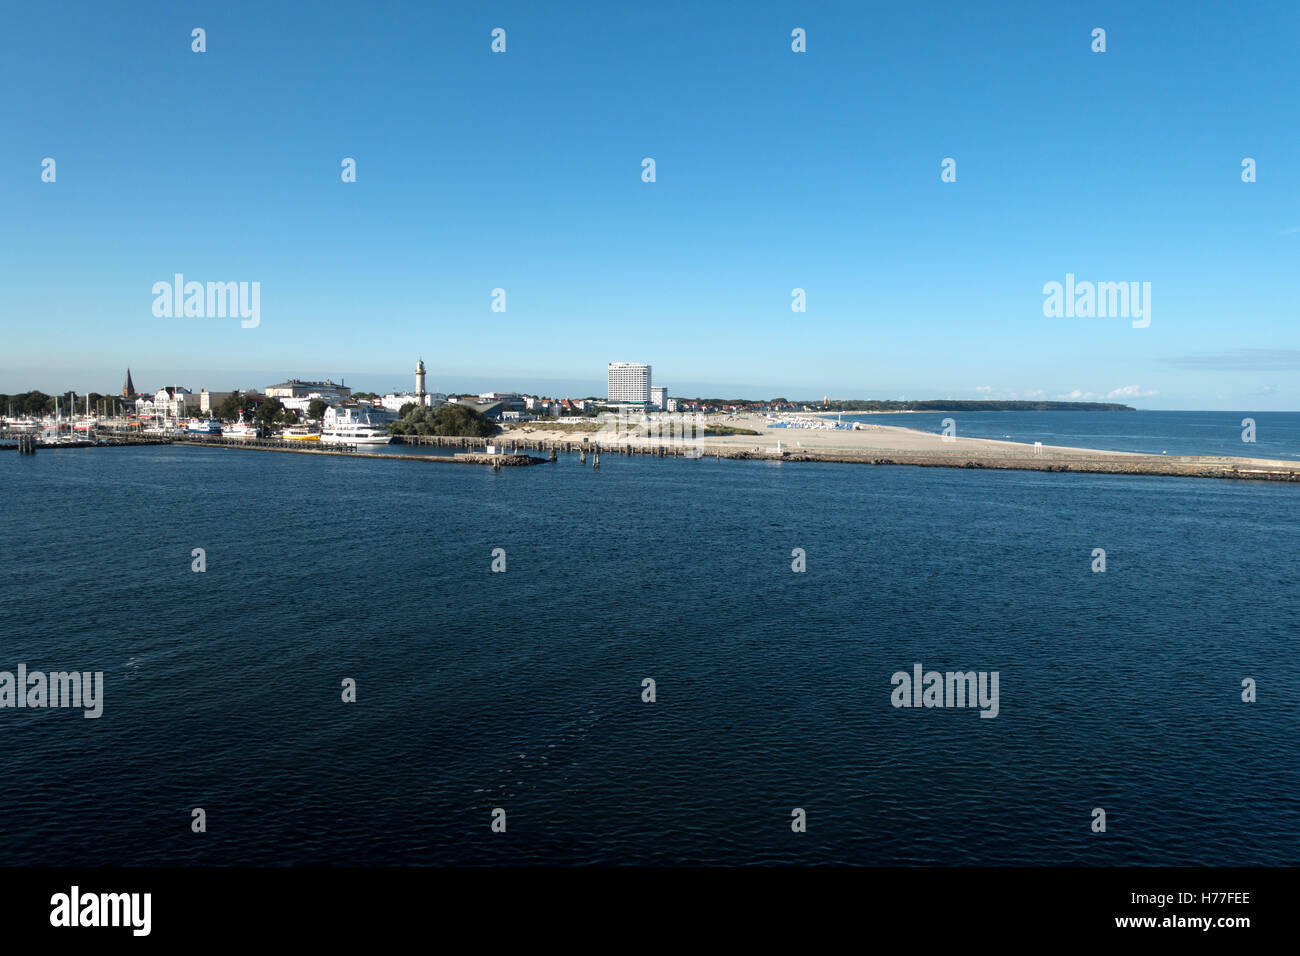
(522, 690)
(1274, 434)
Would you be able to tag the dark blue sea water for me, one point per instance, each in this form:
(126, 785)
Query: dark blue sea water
(522, 690)
(1277, 434)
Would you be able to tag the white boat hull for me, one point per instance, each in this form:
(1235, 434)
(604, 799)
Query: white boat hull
(327, 439)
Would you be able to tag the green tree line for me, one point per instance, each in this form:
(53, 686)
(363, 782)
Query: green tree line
(446, 420)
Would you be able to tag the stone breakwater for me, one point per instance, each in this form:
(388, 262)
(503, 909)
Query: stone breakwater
(992, 455)
(973, 453)
(1131, 465)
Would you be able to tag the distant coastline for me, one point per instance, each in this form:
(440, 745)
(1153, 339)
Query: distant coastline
(969, 405)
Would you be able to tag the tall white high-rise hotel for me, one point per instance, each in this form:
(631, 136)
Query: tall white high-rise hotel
(629, 383)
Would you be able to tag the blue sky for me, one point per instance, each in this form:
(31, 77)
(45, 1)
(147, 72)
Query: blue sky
(775, 170)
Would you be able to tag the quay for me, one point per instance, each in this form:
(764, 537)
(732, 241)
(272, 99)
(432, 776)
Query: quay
(501, 460)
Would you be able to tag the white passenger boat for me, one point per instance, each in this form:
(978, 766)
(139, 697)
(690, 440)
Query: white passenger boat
(299, 433)
(352, 426)
(243, 429)
(204, 426)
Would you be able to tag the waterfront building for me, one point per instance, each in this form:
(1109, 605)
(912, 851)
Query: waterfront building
(658, 398)
(171, 401)
(491, 410)
(300, 403)
(296, 388)
(337, 416)
(394, 401)
(209, 402)
(510, 400)
(629, 383)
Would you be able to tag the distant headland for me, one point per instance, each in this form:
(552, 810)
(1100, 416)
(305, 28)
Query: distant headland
(934, 405)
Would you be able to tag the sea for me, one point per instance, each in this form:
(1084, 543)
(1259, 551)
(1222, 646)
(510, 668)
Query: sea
(521, 695)
(1233, 434)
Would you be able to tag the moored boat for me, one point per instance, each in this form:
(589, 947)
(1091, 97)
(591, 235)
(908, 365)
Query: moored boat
(204, 426)
(352, 426)
(299, 433)
(242, 429)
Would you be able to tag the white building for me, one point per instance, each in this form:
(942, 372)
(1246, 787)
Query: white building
(394, 402)
(301, 403)
(658, 398)
(629, 383)
(296, 388)
(357, 415)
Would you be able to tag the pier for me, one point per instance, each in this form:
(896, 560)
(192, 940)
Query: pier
(497, 461)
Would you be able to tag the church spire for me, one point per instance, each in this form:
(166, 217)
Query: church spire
(128, 387)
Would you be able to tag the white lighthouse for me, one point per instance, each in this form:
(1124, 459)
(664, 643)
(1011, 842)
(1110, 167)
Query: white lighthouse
(419, 382)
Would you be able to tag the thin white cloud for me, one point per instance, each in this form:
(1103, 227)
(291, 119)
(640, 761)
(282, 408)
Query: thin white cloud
(1131, 391)
(1124, 391)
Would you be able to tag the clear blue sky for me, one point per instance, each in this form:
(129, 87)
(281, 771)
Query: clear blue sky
(775, 170)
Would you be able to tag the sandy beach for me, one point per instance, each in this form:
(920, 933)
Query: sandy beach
(889, 444)
(869, 439)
